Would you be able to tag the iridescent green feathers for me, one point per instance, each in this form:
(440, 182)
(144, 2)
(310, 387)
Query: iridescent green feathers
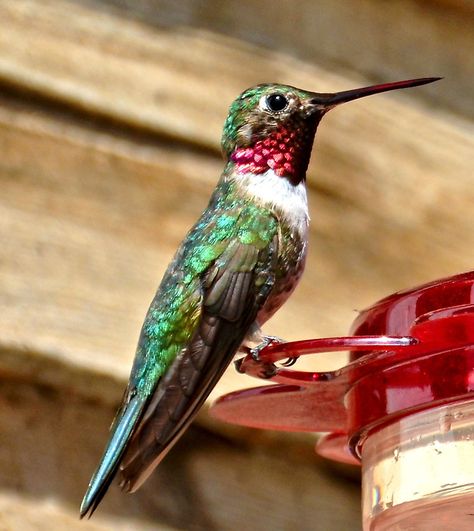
(175, 310)
(233, 286)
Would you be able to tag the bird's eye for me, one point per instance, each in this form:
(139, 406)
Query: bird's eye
(276, 102)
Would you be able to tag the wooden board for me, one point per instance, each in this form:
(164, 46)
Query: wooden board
(382, 40)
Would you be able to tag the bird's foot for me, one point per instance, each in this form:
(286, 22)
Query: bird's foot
(269, 370)
(267, 341)
(265, 370)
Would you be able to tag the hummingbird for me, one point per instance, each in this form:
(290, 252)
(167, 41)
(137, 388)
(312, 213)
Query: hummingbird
(235, 268)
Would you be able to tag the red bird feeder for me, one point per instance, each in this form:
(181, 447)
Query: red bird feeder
(403, 407)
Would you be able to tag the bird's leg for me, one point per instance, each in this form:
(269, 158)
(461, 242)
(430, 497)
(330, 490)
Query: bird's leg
(254, 335)
(266, 341)
(269, 340)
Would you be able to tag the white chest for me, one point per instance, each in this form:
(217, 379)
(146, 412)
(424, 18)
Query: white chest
(280, 194)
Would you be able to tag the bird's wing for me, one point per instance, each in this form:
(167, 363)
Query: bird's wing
(233, 291)
(221, 303)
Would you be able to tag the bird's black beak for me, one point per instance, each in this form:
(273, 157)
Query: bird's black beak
(325, 102)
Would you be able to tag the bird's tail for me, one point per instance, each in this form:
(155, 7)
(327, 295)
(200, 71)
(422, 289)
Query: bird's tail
(122, 430)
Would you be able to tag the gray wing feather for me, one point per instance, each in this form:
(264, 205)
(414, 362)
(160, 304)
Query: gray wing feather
(233, 291)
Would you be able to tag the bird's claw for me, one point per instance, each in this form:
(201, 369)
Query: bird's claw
(289, 362)
(238, 365)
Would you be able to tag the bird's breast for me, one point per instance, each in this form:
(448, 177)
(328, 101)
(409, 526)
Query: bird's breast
(277, 193)
(290, 266)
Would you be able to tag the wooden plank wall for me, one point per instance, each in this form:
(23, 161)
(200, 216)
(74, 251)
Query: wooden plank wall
(110, 119)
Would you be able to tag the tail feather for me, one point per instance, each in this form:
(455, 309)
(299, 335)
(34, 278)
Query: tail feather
(122, 430)
(177, 399)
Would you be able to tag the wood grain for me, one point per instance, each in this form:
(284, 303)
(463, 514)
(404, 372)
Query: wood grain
(381, 40)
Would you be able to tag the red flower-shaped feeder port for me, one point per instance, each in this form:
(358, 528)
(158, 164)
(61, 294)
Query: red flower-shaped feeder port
(410, 352)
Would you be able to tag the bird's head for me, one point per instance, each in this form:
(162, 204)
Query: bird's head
(272, 127)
